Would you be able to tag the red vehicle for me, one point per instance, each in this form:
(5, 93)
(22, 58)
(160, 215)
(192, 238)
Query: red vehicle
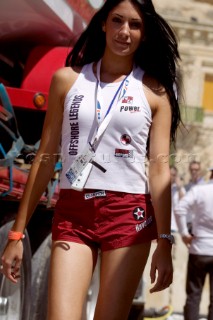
(35, 38)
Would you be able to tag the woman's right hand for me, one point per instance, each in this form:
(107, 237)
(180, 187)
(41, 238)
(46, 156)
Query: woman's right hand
(11, 260)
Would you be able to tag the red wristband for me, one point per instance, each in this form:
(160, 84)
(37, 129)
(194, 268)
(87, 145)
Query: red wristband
(15, 235)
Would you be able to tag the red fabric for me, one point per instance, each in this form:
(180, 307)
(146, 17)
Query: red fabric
(107, 222)
(18, 175)
(19, 181)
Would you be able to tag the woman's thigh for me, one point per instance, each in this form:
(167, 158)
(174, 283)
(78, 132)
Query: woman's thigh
(121, 270)
(71, 268)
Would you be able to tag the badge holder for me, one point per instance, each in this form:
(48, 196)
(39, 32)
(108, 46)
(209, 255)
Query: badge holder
(79, 171)
(81, 180)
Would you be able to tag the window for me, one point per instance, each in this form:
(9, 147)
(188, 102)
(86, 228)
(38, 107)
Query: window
(208, 93)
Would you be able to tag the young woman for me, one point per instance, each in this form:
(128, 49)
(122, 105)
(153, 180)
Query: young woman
(111, 106)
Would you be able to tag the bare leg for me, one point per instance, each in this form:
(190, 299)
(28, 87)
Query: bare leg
(71, 270)
(121, 270)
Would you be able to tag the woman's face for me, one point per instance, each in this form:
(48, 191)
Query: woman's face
(124, 29)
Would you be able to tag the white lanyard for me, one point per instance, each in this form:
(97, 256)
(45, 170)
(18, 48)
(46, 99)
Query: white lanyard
(80, 169)
(119, 94)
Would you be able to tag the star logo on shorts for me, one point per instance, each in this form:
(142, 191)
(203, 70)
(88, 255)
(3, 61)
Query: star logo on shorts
(139, 213)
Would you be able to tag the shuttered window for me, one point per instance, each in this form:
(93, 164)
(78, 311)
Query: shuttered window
(208, 93)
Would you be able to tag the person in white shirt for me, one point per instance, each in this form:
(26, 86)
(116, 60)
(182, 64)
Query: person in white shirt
(200, 244)
(195, 179)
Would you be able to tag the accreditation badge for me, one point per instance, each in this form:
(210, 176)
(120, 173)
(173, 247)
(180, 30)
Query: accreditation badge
(80, 168)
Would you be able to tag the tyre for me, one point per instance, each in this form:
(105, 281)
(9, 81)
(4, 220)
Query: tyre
(15, 299)
(40, 271)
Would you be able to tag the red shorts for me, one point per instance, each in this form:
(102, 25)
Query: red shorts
(103, 219)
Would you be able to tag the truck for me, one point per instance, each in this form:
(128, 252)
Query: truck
(35, 38)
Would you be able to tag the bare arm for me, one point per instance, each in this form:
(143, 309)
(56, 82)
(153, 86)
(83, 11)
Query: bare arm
(43, 165)
(42, 168)
(160, 188)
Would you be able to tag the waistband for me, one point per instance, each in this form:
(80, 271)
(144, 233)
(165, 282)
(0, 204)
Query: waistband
(71, 192)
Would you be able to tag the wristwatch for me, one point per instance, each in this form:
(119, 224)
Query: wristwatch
(169, 237)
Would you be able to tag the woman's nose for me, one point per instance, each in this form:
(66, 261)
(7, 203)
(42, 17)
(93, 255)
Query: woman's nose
(125, 29)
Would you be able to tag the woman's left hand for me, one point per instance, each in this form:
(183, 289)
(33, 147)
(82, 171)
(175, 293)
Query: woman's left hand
(161, 266)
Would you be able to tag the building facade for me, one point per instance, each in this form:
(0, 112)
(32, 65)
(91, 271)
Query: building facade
(192, 21)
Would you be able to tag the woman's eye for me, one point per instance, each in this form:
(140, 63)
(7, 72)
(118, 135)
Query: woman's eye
(135, 25)
(116, 20)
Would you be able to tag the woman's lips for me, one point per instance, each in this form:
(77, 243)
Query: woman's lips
(122, 43)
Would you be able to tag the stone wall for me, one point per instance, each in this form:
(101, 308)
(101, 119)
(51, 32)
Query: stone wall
(194, 143)
(192, 21)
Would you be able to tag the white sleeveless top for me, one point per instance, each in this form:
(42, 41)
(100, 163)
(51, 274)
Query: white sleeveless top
(122, 148)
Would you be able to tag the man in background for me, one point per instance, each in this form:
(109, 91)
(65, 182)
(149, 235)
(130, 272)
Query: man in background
(195, 175)
(195, 179)
(198, 200)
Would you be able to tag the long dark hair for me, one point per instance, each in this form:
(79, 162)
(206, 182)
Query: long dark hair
(157, 55)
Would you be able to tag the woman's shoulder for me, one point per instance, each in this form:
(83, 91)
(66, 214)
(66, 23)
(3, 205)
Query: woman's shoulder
(154, 91)
(153, 85)
(67, 74)
(64, 78)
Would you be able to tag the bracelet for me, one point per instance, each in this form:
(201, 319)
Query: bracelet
(15, 235)
(168, 237)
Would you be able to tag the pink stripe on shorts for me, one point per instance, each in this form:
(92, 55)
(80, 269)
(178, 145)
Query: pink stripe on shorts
(104, 219)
